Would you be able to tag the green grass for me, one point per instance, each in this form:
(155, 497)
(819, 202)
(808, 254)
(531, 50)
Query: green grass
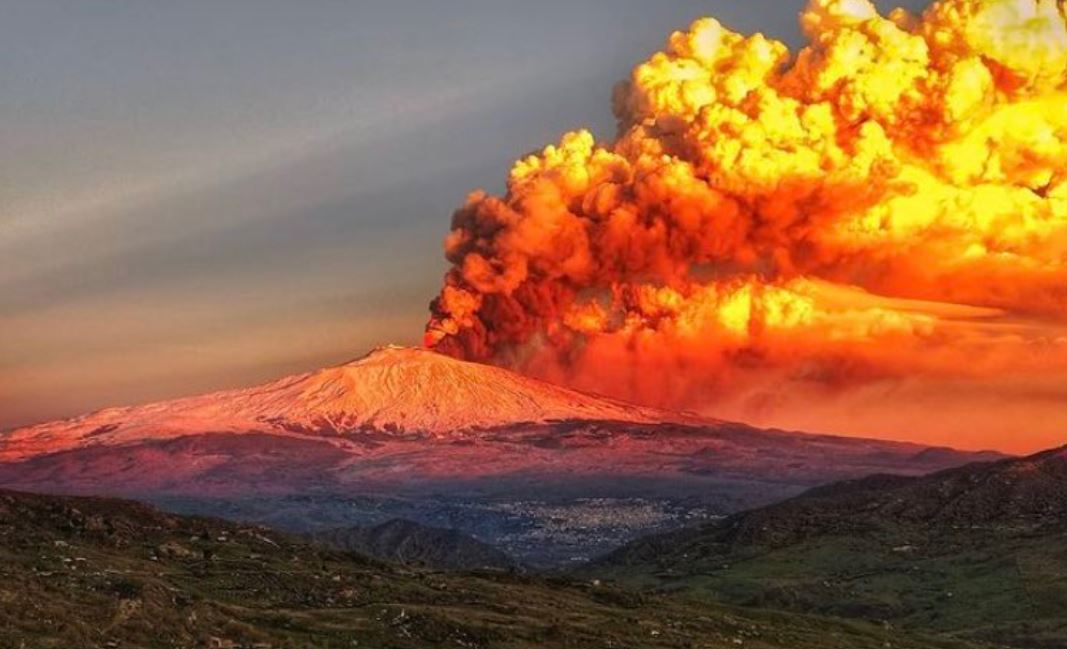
(1004, 586)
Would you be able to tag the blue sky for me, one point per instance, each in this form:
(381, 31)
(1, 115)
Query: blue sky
(204, 194)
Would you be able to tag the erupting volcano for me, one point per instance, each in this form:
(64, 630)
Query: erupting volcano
(869, 236)
(745, 371)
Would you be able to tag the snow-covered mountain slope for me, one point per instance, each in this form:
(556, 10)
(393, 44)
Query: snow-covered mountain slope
(391, 390)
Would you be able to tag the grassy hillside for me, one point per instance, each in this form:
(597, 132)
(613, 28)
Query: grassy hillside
(407, 542)
(88, 573)
(978, 553)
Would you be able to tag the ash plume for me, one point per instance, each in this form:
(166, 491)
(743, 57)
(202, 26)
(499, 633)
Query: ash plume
(886, 207)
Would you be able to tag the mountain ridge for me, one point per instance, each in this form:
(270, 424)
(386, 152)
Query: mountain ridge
(977, 551)
(392, 389)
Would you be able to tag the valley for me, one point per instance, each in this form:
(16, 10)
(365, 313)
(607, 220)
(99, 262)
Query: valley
(101, 573)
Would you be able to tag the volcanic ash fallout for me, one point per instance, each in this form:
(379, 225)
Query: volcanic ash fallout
(877, 222)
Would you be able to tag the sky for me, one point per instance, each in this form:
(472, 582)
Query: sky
(206, 194)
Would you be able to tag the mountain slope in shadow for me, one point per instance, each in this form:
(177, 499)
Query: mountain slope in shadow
(977, 552)
(406, 542)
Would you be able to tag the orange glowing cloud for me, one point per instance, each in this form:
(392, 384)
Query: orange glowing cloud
(886, 207)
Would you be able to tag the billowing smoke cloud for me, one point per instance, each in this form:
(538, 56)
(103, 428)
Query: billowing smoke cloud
(889, 205)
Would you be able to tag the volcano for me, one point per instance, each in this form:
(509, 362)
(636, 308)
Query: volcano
(393, 391)
(410, 433)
